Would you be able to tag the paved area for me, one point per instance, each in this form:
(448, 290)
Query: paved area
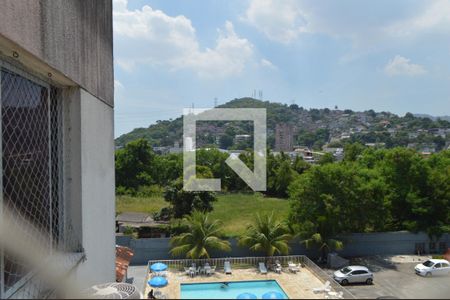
(392, 278)
(296, 286)
(137, 276)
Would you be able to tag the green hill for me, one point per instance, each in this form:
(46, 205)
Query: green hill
(312, 127)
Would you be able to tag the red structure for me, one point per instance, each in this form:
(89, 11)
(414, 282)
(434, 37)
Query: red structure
(123, 258)
(447, 255)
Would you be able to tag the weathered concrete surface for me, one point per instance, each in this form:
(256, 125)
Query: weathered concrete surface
(72, 36)
(97, 190)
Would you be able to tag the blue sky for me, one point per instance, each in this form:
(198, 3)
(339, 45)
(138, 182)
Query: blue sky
(382, 55)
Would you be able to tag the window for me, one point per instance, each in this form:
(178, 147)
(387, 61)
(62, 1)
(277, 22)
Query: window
(360, 272)
(31, 165)
(428, 263)
(437, 266)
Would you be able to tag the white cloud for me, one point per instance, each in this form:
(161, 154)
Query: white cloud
(436, 16)
(148, 36)
(400, 65)
(281, 21)
(118, 85)
(367, 25)
(267, 64)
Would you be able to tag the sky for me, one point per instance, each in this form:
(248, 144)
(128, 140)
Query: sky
(383, 55)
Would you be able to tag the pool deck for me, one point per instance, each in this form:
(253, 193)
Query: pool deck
(296, 286)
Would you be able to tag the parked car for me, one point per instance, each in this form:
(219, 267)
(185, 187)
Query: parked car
(433, 267)
(353, 274)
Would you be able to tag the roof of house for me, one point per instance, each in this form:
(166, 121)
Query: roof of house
(134, 217)
(136, 220)
(123, 259)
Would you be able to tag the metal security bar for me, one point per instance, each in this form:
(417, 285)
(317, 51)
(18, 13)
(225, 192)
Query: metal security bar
(31, 189)
(26, 161)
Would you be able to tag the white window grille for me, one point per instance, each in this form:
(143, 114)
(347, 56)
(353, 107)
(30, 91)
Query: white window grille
(31, 188)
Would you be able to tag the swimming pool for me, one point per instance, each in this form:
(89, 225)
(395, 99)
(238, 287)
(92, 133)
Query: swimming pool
(217, 290)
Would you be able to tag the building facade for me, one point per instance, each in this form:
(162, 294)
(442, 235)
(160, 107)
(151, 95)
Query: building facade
(284, 137)
(57, 122)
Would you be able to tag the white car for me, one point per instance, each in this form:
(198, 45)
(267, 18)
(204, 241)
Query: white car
(433, 267)
(353, 274)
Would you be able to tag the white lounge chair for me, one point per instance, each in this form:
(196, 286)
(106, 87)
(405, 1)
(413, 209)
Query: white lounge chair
(325, 288)
(277, 267)
(210, 270)
(334, 295)
(262, 268)
(227, 267)
(293, 268)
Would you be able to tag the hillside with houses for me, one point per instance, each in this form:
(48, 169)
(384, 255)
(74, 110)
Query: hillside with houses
(292, 127)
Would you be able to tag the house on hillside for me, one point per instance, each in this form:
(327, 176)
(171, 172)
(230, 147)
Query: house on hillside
(143, 224)
(57, 100)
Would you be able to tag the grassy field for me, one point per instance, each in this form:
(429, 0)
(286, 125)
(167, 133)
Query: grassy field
(236, 211)
(137, 204)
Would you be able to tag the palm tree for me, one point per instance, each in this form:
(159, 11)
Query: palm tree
(267, 235)
(325, 245)
(202, 236)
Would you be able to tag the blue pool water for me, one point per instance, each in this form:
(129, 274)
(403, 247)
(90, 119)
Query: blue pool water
(219, 291)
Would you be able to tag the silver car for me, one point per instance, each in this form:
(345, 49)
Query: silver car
(433, 267)
(353, 274)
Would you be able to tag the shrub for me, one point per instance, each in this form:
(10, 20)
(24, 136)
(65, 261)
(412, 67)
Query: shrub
(149, 191)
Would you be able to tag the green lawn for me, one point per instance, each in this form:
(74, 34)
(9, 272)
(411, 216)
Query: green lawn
(136, 204)
(236, 211)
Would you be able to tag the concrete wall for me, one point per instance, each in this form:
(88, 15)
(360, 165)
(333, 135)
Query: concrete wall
(97, 190)
(154, 249)
(401, 242)
(68, 43)
(73, 37)
(355, 245)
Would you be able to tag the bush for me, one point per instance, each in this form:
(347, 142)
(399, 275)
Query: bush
(128, 231)
(149, 191)
(165, 214)
(177, 228)
(123, 191)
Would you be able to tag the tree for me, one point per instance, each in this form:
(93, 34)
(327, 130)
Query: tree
(327, 158)
(419, 190)
(202, 236)
(184, 202)
(324, 245)
(134, 164)
(267, 235)
(338, 198)
(226, 141)
(352, 151)
(284, 175)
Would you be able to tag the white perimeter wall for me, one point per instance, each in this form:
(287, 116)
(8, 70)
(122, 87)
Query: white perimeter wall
(97, 190)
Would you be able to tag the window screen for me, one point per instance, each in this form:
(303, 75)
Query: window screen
(30, 131)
